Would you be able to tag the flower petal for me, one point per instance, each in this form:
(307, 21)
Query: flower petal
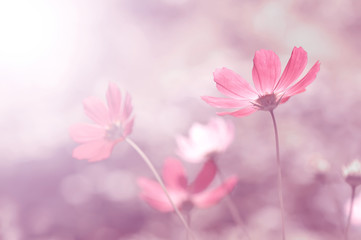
(225, 132)
(266, 70)
(240, 113)
(231, 84)
(84, 132)
(96, 110)
(127, 108)
(128, 126)
(204, 177)
(174, 175)
(225, 102)
(212, 197)
(94, 151)
(293, 70)
(160, 205)
(153, 194)
(114, 100)
(301, 85)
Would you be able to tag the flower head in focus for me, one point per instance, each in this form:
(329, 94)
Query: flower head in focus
(205, 141)
(185, 196)
(352, 173)
(112, 124)
(270, 89)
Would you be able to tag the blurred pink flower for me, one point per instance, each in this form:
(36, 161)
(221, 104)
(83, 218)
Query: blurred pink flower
(184, 195)
(205, 141)
(112, 125)
(270, 89)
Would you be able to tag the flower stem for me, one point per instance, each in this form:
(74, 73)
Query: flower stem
(232, 207)
(353, 191)
(280, 185)
(188, 217)
(159, 179)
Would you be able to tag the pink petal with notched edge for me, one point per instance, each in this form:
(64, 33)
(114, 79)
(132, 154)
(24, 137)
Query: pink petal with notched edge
(301, 85)
(231, 84)
(293, 70)
(204, 177)
(84, 132)
(266, 71)
(114, 100)
(225, 102)
(96, 110)
(174, 175)
(94, 151)
(240, 113)
(212, 197)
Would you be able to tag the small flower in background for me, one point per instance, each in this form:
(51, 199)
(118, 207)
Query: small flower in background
(352, 173)
(319, 164)
(184, 195)
(270, 89)
(320, 167)
(205, 141)
(112, 125)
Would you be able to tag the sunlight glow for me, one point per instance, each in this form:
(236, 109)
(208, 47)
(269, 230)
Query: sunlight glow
(28, 30)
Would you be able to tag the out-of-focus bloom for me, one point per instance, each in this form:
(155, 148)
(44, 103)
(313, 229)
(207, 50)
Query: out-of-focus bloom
(205, 141)
(270, 89)
(352, 173)
(356, 213)
(319, 165)
(112, 125)
(184, 195)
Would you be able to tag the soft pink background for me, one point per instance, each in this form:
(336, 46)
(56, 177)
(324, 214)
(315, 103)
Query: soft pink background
(55, 53)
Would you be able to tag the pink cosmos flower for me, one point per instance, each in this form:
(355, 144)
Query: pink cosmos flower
(270, 89)
(112, 125)
(184, 195)
(205, 141)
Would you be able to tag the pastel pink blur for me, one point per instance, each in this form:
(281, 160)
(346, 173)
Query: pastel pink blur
(206, 141)
(112, 124)
(356, 213)
(185, 196)
(270, 89)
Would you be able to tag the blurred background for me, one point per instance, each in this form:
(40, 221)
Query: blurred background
(53, 54)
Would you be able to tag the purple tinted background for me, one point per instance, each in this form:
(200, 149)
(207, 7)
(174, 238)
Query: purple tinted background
(53, 55)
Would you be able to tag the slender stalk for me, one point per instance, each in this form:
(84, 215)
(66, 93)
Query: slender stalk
(188, 217)
(232, 207)
(159, 179)
(280, 185)
(353, 191)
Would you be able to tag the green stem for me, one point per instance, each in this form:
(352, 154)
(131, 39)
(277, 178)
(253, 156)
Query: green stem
(280, 184)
